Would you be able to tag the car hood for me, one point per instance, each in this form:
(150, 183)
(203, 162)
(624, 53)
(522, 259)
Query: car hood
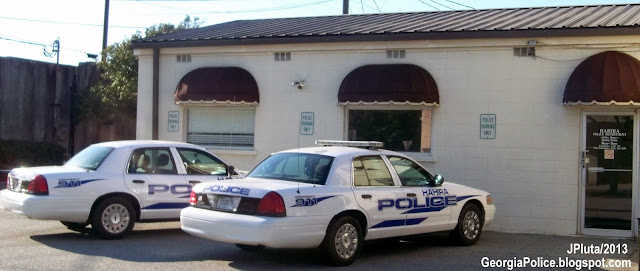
(28, 173)
(248, 187)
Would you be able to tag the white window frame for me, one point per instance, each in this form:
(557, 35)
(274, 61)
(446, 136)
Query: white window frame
(228, 148)
(418, 156)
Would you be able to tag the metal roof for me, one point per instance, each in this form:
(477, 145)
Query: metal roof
(456, 24)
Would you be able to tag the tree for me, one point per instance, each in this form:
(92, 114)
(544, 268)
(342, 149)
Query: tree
(116, 91)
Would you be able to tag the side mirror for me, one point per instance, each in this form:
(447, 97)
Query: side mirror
(438, 180)
(230, 171)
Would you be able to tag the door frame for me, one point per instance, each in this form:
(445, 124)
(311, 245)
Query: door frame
(583, 175)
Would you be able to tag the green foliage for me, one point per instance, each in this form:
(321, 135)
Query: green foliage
(14, 153)
(116, 92)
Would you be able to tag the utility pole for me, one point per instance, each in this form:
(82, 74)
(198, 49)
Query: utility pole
(345, 6)
(105, 29)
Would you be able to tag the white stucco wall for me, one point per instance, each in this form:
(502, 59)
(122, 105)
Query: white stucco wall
(531, 167)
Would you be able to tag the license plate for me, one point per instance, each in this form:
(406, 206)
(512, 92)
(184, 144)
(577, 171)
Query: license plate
(225, 203)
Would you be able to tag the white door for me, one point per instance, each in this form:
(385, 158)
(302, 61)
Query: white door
(609, 178)
(430, 208)
(380, 196)
(155, 179)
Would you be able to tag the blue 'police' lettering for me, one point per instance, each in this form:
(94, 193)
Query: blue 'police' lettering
(227, 189)
(412, 203)
(173, 189)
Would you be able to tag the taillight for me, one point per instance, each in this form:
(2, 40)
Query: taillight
(193, 199)
(271, 204)
(38, 186)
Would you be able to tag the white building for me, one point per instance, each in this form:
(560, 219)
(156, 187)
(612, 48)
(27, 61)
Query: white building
(538, 106)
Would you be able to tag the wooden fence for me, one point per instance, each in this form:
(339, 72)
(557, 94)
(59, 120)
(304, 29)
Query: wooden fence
(35, 105)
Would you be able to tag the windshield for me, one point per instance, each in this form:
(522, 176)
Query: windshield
(295, 167)
(90, 158)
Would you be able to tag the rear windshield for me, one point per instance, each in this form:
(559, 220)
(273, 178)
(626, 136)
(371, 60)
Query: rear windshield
(90, 158)
(295, 167)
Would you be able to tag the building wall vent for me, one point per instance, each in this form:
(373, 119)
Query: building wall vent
(183, 58)
(282, 56)
(524, 51)
(396, 53)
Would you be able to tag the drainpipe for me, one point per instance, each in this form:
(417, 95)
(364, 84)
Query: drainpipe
(156, 91)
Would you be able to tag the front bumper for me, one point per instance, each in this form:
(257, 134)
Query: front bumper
(489, 214)
(45, 207)
(274, 232)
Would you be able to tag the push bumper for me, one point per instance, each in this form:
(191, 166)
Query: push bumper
(274, 232)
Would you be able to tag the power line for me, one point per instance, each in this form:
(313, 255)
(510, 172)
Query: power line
(460, 4)
(39, 44)
(374, 1)
(68, 23)
(429, 5)
(257, 10)
(440, 4)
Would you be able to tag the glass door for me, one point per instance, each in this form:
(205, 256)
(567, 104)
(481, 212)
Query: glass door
(608, 174)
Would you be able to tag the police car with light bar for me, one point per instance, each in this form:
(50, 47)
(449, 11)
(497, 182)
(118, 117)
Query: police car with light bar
(335, 196)
(112, 185)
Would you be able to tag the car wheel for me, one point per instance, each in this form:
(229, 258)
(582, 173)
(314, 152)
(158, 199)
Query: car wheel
(79, 227)
(343, 241)
(250, 247)
(113, 218)
(469, 227)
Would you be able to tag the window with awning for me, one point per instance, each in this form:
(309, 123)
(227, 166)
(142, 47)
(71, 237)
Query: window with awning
(389, 84)
(390, 103)
(220, 107)
(226, 85)
(607, 78)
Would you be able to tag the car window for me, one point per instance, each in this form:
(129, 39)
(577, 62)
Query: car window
(151, 161)
(198, 162)
(410, 173)
(371, 171)
(90, 158)
(298, 167)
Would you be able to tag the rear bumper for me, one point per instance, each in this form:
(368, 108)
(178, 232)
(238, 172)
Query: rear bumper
(45, 207)
(275, 232)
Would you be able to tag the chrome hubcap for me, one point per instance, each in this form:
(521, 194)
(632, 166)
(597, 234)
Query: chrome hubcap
(471, 225)
(115, 218)
(346, 241)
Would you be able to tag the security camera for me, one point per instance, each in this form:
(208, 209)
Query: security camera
(298, 84)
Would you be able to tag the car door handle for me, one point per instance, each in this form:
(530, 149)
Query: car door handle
(412, 195)
(138, 181)
(194, 182)
(366, 196)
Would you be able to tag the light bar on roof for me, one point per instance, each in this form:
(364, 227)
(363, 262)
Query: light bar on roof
(344, 143)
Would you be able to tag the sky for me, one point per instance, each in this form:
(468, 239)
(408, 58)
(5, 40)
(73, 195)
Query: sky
(28, 28)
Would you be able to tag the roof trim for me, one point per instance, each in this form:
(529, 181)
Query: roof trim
(529, 33)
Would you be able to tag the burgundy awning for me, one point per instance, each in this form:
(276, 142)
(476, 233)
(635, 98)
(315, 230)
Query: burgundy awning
(218, 85)
(389, 84)
(608, 78)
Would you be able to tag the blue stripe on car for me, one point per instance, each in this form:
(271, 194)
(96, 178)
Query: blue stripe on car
(399, 222)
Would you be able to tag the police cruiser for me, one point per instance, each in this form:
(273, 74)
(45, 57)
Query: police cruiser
(335, 197)
(112, 185)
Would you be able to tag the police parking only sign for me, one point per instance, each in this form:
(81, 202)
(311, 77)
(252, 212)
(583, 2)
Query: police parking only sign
(306, 123)
(487, 126)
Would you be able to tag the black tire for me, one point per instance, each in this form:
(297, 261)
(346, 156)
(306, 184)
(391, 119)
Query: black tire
(249, 247)
(79, 227)
(344, 241)
(470, 224)
(113, 218)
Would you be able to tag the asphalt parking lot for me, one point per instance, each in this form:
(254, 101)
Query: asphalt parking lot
(47, 245)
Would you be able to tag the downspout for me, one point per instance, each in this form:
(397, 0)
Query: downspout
(156, 91)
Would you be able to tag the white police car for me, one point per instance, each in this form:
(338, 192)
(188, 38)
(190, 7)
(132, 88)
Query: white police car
(112, 185)
(335, 197)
